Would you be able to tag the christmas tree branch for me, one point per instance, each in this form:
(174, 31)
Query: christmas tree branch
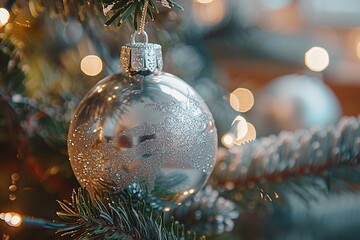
(208, 212)
(115, 217)
(306, 165)
(19, 108)
(300, 153)
(11, 83)
(117, 11)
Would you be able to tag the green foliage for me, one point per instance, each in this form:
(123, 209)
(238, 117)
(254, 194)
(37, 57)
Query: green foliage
(130, 11)
(115, 217)
(117, 11)
(306, 165)
(11, 83)
(11, 74)
(208, 212)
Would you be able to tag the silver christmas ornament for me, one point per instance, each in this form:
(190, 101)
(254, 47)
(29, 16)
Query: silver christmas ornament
(143, 127)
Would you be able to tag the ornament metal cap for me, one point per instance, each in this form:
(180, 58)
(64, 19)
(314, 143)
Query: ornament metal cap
(141, 56)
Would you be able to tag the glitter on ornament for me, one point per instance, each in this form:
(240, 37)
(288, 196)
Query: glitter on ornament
(144, 127)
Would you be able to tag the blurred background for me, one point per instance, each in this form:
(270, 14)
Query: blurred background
(298, 59)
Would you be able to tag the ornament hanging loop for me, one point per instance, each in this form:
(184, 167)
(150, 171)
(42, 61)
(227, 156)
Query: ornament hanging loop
(141, 30)
(143, 33)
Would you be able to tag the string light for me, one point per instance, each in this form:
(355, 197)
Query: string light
(4, 16)
(242, 100)
(11, 218)
(14, 178)
(317, 59)
(91, 65)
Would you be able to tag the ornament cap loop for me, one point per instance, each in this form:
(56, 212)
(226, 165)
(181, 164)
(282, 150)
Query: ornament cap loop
(141, 56)
(143, 33)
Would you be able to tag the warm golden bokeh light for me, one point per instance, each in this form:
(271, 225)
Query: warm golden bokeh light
(209, 12)
(241, 126)
(15, 221)
(204, 1)
(11, 218)
(358, 49)
(250, 135)
(317, 59)
(4, 16)
(91, 65)
(241, 100)
(228, 140)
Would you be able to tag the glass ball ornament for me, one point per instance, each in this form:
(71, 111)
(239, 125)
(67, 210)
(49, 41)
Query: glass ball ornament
(296, 101)
(143, 127)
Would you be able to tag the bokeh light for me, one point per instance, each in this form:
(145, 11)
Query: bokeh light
(4, 16)
(11, 218)
(91, 65)
(358, 49)
(241, 100)
(317, 59)
(209, 12)
(250, 135)
(228, 140)
(204, 1)
(241, 127)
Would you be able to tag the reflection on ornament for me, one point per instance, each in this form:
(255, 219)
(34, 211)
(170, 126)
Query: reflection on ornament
(143, 127)
(4, 16)
(91, 65)
(250, 135)
(317, 59)
(241, 127)
(241, 100)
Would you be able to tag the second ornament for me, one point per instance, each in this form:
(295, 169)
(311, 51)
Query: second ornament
(143, 127)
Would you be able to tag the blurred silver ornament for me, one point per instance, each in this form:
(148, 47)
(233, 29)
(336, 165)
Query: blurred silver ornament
(143, 126)
(295, 101)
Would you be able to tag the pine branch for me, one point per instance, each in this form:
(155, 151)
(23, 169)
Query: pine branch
(117, 11)
(307, 165)
(300, 153)
(208, 213)
(11, 74)
(115, 217)
(11, 84)
(130, 11)
(19, 108)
